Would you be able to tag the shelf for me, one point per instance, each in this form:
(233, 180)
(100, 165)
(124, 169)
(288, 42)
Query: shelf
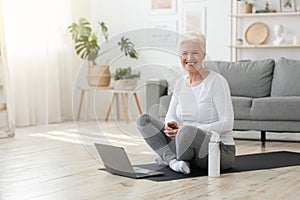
(264, 46)
(238, 23)
(279, 14)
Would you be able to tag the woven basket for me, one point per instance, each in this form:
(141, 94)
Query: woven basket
(99, 76)
(246, 8)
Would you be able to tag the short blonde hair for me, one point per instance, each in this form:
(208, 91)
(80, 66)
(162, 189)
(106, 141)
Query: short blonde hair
(196, 37)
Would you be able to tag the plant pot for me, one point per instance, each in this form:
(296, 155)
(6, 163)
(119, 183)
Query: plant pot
(125, 84)
(246, 8)
(99, 76)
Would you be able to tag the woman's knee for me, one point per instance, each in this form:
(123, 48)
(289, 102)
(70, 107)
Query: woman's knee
(143, 120)
(148, 125)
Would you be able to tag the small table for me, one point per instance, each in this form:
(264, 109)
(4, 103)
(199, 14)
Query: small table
(115, 97)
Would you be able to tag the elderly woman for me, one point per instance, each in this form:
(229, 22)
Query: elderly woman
(200, 105)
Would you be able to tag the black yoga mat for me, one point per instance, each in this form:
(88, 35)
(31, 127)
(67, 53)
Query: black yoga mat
(243, 163)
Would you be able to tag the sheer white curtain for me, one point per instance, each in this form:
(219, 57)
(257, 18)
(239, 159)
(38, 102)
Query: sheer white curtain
(40, 59)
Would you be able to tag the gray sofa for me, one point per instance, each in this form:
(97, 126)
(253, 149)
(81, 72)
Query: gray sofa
(265, 94)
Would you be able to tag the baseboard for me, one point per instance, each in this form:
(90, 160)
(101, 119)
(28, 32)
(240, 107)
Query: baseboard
(5, 134)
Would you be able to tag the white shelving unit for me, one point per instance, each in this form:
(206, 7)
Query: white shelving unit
(235, 26)
(277, 14)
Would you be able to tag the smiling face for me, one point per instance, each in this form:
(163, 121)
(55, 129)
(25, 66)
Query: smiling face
(191, 55)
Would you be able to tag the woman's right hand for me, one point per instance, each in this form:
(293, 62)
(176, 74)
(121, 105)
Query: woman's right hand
(171, 129)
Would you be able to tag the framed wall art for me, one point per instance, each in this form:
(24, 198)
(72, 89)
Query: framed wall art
(194, 20)
(287, 5)
(164, 33)
(162, 7)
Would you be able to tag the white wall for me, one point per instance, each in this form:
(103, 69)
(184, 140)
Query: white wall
(130, 15)
(123, 16)
(218, 29)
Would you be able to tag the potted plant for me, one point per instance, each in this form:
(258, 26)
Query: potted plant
(126, 78)
(239, 41)
(88, 48)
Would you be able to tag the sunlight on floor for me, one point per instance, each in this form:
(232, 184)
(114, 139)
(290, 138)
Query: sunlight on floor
(72, 136)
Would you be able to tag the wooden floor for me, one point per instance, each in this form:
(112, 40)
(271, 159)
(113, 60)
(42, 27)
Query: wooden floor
(55, 162)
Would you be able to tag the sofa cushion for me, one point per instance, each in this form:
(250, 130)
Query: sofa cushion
(241, 107)
(286, 78)
(276, 108)
(248, 78)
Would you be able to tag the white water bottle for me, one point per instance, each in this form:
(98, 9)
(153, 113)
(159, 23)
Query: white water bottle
(214, 155)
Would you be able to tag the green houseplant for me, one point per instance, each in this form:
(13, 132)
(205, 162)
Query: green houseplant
(88, 48)
(126, 78)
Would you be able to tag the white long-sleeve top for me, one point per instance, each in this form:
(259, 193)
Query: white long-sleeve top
(207, 106)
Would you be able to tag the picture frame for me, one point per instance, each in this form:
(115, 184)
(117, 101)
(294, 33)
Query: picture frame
(287, 5)
(165, 34)
(157, 7)
(194, 20)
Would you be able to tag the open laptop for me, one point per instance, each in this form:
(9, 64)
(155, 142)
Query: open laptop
(117, 162)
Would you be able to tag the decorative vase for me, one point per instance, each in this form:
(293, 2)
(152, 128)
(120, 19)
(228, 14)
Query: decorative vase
(246, 8)
(125, 84)
(99, 76)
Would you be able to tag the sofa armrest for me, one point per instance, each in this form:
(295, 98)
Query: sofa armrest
(154, 90)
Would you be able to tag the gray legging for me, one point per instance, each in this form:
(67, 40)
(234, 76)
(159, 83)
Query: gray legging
(190, 143)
